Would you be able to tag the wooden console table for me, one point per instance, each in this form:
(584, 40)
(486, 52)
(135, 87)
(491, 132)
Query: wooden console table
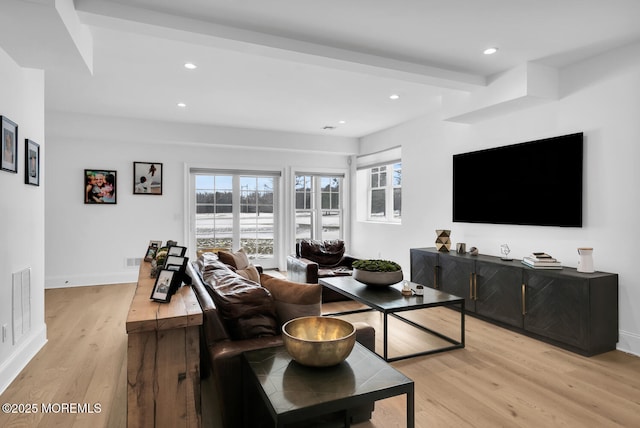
(163, 358)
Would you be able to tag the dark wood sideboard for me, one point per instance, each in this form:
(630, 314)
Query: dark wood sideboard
(570, 309)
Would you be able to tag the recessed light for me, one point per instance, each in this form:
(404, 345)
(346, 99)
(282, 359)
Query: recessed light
(394, 96)
(190, 66)
(490, 51)
(182, 105)
(342, 122)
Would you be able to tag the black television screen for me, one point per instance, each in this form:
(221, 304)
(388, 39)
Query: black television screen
(533, 183)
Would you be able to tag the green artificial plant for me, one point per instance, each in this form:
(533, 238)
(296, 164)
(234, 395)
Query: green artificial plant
(375, 265)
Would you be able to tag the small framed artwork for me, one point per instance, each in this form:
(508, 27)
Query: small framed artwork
(164, 285)
(152, 249)
(31, 163)
(177, 260)
(176, 251)
(9, 161)
(147, 178)
(100, 186)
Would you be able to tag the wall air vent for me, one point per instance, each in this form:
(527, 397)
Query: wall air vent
(132, 262)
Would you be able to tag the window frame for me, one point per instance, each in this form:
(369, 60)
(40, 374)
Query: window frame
(389, 188)
(191, 201)
(315, 209)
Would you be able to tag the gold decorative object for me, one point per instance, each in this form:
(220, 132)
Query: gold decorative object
(443, 240)
(318, 341)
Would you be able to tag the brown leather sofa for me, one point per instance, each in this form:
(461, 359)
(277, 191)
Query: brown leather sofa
(241, 315)
(316, 259)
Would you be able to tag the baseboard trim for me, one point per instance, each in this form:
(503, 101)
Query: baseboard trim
(11, 368)
(629, 342)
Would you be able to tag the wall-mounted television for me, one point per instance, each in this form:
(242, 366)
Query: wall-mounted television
(533, 183)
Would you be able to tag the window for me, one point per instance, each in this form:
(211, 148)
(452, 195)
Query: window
(318, 206)
(235, 210)
(379, 186)
(385, 192)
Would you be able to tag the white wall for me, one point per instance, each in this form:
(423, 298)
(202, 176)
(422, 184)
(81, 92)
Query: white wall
(598, 97)
(88, 244)
(21, 216)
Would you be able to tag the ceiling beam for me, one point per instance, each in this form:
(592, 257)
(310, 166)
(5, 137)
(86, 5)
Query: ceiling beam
(142, 21)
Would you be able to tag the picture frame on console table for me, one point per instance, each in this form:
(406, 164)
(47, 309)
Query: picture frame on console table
(9, 145)
(177, 260)
(147, 178)
(152, 249)
(176, 250)
(165, 285)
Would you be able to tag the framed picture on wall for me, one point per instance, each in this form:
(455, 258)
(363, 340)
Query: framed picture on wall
(9, 153)
(147, 178)
(31, 163)
(100, 186)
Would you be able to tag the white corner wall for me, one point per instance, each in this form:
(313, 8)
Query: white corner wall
(598, 97)
(21, 217)
(89, 244)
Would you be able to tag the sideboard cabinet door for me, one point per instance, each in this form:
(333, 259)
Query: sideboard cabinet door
(557, 307)
(424, 267)
(456, 275)
(498, 292)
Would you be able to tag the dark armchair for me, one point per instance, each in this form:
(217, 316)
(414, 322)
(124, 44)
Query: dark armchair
(319, 259)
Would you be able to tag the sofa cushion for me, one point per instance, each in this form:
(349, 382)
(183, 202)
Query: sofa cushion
(293, 299)
(237, 260)
(250, 272)
(325, 253)
(247, 309)
(209, 261)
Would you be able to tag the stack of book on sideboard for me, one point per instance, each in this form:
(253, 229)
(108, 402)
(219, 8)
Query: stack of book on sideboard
(541, 261)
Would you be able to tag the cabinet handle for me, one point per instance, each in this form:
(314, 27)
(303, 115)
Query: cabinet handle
(524, 299)
(475, 286)
(471, 286)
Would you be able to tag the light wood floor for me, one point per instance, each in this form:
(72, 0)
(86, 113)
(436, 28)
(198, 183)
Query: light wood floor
(501, 379)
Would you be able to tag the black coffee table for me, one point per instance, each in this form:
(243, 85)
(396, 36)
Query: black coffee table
(295, 393)
(391, 301)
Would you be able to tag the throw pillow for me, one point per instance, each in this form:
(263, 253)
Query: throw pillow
(209, 261)
(251, 273)
(237, 260)
(247, 308)
(293, 299)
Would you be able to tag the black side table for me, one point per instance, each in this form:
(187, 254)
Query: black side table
(295, 393)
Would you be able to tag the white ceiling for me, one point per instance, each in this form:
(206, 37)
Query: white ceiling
(295, 65)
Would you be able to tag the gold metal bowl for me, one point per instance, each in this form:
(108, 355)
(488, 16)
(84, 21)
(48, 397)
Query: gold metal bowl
(319, 341)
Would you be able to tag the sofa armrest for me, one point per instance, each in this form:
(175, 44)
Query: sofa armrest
(348, 261)
(302, 270)
(365, 335)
